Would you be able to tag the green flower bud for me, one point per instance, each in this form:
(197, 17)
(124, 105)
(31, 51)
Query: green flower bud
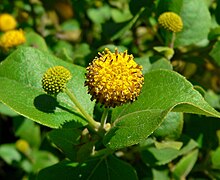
(54, 79)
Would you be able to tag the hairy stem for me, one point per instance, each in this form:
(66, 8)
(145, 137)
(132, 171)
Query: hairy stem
(95, 125)
(104, 117)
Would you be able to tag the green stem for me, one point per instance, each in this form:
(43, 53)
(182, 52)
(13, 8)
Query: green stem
(89, 119)
(104, 117)
(102, 152)
(172, 40)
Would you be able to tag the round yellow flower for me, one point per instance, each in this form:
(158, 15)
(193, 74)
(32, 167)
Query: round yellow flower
(7, 22)
(22, 146)
(171, 21)
(54, 79)
(114, 79)
(12, 38)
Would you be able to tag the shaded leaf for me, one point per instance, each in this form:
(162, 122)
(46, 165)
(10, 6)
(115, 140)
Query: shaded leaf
(215, 52)
(9, 153)
(117, 30)
(42, 159)
(172, 126)
(185, 165)
(109, 168)
(215, 157)
(160, 156)
(66, 140)
(27, 130)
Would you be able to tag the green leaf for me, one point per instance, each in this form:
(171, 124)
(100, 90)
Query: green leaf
(196, 22)
(166, 51)
(64, 50)
(212, 98)
(172, 126)
(20, 82)
(203, 129)
(152, 155)
(185, 165)
(161, 174)
(121, 16)
(153, 63)
(99, 15)
(35, 40)
(163, 91)
(109, 168)
(196, 19)
(159, 62)
(217, 12)
(7, 111)
(66, 140)
(168, 144)
(27, 130)
(117, 30)
(42, 159)
(9, 153)
(215, 52)
(215, 157)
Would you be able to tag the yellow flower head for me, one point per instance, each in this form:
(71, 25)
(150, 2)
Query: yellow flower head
(22, 146)
(54, 79)
(171, 21)
(114, 79)
(12, 38)
(7, 22)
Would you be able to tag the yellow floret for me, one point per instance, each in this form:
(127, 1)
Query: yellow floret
(12, 38)
(7, 22)
(171, 21)
(114, 79)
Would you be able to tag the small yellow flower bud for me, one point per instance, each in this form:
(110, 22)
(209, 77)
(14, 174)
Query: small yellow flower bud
(7, 22)
(171, 21)
(22, 146)
(12, 38)
(114, 79)
(54, 80)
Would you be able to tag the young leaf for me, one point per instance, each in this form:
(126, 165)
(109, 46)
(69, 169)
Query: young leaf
(27, 130)
(215, 157)
(160, 156)
(215, 53)
(185, 165)
(35, 40)
(9, 153)
(20, 81)
(172, 126)
(66, 140)
(162, 92)
(109, 168)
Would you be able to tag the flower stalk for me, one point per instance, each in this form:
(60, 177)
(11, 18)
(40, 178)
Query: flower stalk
(104, 117)
(95, 125)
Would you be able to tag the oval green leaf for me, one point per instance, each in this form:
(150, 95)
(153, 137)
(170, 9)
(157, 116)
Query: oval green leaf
(20, 82)
(109, 168)
(162, 92)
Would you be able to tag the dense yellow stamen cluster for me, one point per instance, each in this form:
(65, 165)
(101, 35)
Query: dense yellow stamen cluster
(12, 38)
(114, 79)
(171, 21)
(7, 22)
(54, 80)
